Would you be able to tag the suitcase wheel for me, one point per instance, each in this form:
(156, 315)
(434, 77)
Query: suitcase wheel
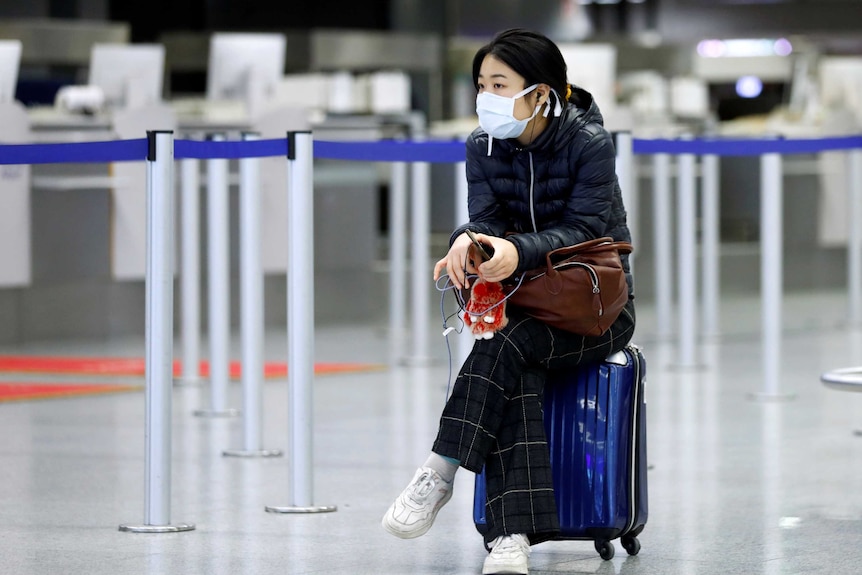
(605, 549)
(631, 545)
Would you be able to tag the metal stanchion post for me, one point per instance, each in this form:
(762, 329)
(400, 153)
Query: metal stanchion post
(251, 309)
(218, 256)
(159, 335)
(687, 246)
(854, 239)
(662, 226)
(420, 271)
(190, 275)
(627, 176)
(462, 214)
(711, 245)
(771, 274)
(300, 322)
(397, 260)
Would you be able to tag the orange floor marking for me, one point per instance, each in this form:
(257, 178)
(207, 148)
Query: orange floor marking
(136, 366)
(29, 391)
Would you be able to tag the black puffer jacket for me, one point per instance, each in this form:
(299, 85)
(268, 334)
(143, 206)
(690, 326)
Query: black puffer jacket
(558, 191)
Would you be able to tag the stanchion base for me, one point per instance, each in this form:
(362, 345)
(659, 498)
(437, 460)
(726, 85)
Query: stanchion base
(312, 509)
(158, 528)
(252, 453)
(214, 414)
(771, 397)
(857, 387)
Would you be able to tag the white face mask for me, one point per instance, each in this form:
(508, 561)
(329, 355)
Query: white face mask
(497, 114)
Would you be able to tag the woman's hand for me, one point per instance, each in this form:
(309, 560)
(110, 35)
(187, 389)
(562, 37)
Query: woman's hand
(504, 261)
(456, 263)
(459, 265)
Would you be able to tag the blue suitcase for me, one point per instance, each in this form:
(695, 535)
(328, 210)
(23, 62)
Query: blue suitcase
(595, 421)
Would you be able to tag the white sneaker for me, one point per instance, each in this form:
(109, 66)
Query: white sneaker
(414, 511)
(509, 554)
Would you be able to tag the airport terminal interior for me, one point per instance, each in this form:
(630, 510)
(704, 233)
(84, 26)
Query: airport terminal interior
(752, 339)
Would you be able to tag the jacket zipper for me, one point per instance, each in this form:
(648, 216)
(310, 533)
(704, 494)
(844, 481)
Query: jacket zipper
(532, 205)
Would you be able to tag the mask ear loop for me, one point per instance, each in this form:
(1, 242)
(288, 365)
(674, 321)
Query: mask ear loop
(558, 107)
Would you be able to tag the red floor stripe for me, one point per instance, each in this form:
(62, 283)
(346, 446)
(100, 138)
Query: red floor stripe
(28, 391)
(136, 366)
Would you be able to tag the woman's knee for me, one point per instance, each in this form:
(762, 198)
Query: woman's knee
(523, 335)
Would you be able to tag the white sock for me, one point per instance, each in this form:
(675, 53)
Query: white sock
(445, 466)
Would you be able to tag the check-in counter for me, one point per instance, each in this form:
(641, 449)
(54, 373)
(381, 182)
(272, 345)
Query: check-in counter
(88, 230)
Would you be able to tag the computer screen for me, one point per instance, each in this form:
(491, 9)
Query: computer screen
(240, 62)
(130, 75)
(10, 61)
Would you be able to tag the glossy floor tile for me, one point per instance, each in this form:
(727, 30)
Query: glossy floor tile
(736, 485)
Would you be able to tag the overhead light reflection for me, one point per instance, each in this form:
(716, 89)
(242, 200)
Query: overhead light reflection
(711, 48)
(749, 87)
(744, 48)
(783, 47)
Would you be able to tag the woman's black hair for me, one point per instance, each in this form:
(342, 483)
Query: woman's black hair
(530, 54)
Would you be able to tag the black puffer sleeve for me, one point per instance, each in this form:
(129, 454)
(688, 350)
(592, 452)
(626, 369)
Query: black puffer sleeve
(486, 215)
(591, 161)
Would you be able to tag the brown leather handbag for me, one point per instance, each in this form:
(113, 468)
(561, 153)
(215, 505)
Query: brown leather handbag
(581, 289)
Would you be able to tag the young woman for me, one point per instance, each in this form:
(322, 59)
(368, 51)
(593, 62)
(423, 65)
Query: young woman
(541, 176)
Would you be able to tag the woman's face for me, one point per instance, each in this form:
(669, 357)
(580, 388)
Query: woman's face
(498, 78)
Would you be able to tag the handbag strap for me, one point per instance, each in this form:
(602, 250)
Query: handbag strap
(587, 246)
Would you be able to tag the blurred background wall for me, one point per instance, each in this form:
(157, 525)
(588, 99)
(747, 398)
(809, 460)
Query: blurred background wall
(658, 68)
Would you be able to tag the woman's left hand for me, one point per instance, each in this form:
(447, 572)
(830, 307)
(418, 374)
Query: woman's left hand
(504, 261)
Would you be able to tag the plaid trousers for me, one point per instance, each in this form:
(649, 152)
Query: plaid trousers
(494, 417)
